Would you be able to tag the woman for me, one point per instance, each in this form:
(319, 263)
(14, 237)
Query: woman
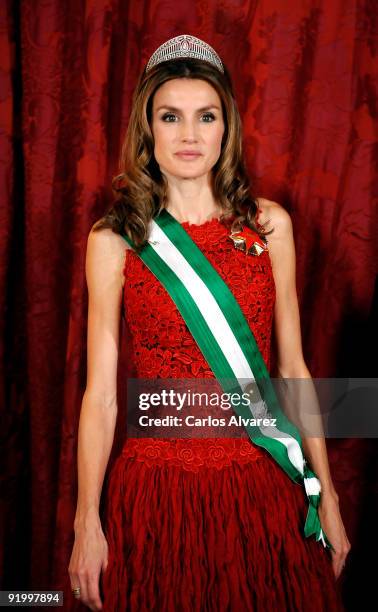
(205, 523)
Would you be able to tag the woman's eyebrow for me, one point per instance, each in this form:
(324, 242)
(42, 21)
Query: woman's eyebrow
(173, 108)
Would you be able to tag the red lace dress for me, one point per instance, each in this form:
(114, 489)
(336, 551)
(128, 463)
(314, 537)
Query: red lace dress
(211, 524)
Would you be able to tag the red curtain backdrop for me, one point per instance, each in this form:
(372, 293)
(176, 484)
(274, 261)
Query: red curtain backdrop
(305, 75)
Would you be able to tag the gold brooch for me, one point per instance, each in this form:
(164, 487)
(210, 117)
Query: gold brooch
(249, 241)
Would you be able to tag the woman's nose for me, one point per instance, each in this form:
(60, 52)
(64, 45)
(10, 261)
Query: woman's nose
(188, 131)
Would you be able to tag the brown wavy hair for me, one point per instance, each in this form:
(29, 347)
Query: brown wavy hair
(140, 189)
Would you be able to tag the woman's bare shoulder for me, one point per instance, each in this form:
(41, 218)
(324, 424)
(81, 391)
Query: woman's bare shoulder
(106, 252)
(276, 217)
(108, 234)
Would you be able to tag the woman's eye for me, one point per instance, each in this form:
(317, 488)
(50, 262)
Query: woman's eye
(164, 117)
(209, 115)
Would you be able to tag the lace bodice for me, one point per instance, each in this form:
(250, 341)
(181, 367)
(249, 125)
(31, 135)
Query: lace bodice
(163, 347)
(162, 343)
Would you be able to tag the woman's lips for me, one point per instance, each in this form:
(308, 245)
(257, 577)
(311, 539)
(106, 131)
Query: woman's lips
(188, 156)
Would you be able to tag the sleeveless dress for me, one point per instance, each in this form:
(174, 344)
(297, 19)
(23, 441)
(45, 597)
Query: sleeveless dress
(210, 524)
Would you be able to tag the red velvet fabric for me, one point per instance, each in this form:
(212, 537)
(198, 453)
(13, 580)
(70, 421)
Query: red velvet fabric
(304, 75)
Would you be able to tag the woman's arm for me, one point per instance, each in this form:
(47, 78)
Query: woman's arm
(104, 267)
(290, 361)
(104, 273)
(291, 364)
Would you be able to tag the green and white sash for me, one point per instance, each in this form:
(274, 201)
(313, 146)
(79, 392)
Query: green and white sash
(224, 337)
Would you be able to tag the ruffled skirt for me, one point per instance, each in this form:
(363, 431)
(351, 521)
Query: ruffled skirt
(210, 526)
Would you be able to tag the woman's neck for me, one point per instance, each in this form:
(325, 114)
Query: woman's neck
(192, 200)
(196, 215)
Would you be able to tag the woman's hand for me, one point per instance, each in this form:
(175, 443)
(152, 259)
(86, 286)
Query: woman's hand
(332, 524)
(89, 557)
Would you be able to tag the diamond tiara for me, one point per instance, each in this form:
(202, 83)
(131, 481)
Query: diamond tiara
(184, 46)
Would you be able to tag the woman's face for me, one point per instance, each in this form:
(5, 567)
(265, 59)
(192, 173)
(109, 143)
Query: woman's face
(187, 126)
